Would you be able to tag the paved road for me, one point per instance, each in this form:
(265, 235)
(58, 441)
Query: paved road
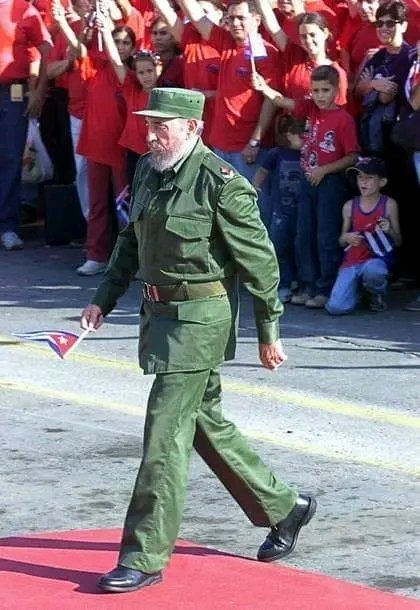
(341, 420)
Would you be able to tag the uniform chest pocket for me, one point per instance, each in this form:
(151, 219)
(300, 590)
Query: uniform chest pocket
(188, 228)
(187, 243)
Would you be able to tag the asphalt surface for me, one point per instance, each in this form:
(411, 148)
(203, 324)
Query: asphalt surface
(340, 420)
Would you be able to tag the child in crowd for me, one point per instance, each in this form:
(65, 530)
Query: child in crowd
(136, 87)
(283, 163)
(329, 147)
(360, 266)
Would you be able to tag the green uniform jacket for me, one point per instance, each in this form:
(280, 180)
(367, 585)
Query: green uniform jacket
(196, 222)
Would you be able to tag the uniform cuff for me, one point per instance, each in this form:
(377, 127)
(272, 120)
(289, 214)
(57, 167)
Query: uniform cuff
(268, 332)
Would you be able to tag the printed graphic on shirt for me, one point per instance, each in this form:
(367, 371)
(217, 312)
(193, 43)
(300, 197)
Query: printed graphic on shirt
(328, 143)
(289, 181)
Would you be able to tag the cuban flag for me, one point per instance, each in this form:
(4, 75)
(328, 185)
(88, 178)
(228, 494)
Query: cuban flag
(255, 47)
(59, 340)
(122, 206)
(379, 243)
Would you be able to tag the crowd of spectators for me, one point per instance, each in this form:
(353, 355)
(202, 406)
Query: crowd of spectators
(296, 92)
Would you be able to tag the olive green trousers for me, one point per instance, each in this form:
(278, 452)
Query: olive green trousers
(183, 411)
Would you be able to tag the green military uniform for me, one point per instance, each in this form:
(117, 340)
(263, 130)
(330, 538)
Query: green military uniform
(193, 230)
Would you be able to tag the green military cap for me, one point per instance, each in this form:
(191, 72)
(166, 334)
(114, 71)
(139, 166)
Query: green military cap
(173, 103)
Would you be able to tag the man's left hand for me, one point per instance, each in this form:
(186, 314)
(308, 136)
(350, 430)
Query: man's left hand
(272, 355)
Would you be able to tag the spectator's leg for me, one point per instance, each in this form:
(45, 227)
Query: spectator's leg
(374, 274)
(331, 196)
(81, 167)
(283, 236)
(13, 130)
(98, 229)
(306, 252)
(416, 160)
(344, 295)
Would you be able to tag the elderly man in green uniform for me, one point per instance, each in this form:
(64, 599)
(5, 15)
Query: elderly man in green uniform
(194, 229)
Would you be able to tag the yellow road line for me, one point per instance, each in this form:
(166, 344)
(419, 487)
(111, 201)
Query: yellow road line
(255, 435)
(362, 411)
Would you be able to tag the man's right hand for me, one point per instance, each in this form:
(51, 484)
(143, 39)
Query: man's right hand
(92, 317)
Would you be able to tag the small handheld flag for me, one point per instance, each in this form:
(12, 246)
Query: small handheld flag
(62, 342)
(255, 48)
(122, 206)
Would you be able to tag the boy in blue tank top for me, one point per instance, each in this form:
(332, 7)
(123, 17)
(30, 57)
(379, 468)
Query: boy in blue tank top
(370, 226)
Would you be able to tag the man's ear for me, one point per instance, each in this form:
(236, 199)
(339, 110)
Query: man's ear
(383, 182)
(192, 126)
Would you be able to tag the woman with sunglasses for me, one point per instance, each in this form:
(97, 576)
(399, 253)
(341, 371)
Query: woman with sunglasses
(380, 86)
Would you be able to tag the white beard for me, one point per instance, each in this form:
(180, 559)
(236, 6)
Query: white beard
(161, 161)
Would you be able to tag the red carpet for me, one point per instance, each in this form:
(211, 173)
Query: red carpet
(58, 572)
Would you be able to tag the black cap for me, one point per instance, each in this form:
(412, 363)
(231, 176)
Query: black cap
(372, 166)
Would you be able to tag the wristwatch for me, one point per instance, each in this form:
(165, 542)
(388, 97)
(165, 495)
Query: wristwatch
(254, 143)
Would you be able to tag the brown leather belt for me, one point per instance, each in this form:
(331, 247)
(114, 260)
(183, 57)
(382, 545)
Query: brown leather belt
(185, 291)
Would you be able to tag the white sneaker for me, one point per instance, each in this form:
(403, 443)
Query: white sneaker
(91, 268)
(11, 241)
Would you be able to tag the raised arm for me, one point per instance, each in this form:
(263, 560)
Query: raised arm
(271, 24)
(170, 16)
(59, 15)
(105, 26)
(197, 16)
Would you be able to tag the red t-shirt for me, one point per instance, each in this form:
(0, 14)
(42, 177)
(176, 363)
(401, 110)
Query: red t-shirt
(103, 119)
(78, 76)
(134, 133)
(172, 72)
(238, 106)
(297, 72)
(201, 70)
(21, 27)
(149, 14)
(330, 134)
(360, 41)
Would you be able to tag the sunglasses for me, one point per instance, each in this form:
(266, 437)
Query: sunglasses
(386, 23)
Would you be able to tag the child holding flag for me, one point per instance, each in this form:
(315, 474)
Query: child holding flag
(362, 216)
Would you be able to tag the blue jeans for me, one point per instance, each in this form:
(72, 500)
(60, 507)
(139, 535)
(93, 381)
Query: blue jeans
(283, 235)
(318, 229)
(371, 274)
(248, 170)
(13, 130)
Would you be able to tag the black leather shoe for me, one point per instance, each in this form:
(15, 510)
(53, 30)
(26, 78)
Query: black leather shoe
(283, 536)
(124, 580)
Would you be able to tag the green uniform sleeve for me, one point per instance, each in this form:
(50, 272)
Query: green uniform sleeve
(121, 268)
(240, 224)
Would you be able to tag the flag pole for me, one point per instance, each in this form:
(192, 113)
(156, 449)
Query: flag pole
(76, 343)
(252, 60)
(100, 39)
